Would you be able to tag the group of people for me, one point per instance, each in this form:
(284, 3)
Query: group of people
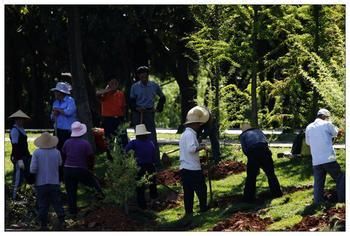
(69, 158)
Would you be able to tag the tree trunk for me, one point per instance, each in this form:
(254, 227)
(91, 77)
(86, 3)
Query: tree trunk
(315, 97)
(188, 92)
(254, 118)
(78, 72)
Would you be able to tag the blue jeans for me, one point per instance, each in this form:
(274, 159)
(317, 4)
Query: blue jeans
(49, 194)
(320, 172)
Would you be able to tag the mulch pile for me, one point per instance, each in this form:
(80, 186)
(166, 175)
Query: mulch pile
(108, 218)
(333, 217)
(169, 177)
(220, 171)
(243, 222)
(225, 168)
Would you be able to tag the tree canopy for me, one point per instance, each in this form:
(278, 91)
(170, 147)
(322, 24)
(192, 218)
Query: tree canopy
(274, 65)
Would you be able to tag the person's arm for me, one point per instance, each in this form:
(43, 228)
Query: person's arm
(132, 97)
(34, 164)
(91, 162)
(307, 138)
(129, 146)
(243, 144)
(161, 100)
(16, 151)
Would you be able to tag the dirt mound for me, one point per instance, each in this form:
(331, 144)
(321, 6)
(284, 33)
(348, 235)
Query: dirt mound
(225, 168)
(333, 218)
(243, 222)
(108, 218)
(169, 177)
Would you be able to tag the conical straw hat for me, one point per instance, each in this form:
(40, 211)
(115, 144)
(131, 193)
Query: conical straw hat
(19, 114)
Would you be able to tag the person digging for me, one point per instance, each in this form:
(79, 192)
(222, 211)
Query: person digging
(255, 147)
(192, 177)
(145, 154)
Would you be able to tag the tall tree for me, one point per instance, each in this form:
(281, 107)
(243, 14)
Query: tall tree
(78, 71)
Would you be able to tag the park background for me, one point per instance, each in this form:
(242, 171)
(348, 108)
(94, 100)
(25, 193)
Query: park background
(274, 65)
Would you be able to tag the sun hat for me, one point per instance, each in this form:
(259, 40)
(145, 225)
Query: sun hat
(78, 129)
(19, 114)
(141, 130)
(193, 118)
(324, 112)
(142, 69)
(62, 87)
(46, 140)
(245, 126)
(201, 112)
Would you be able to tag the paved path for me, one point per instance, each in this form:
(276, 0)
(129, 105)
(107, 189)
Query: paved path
(176, 141)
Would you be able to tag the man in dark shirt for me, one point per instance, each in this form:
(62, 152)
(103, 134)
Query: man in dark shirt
(255, 147)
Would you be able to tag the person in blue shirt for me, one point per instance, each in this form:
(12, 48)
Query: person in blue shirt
(255, 147)
(319, 136)
(45, 165)
(142, 103)
(145, 152)
(64, 112)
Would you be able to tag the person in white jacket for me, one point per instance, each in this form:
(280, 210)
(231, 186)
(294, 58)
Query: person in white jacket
(319, 136)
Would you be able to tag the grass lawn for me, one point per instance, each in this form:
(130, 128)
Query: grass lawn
(284, 212)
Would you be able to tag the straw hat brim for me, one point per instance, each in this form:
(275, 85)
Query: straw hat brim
(48, 141)
(142, 133)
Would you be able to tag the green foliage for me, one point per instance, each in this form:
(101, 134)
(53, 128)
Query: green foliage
(120, 176)
(170, 117)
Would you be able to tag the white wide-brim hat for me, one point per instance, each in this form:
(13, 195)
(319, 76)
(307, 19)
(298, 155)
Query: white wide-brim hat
(141, 130)
(199, 114)
(62, 87)
(46, 140)
(78, 129)
(324, 112)
(19, 114)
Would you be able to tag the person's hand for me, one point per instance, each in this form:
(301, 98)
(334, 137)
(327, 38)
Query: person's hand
(57, 111)
(140, 109)
(340, 133)
(20, 164)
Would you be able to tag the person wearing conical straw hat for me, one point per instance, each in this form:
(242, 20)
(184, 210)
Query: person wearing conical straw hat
(193, 180)
(145, 153)
(20, 155)
(255, 147)
(78, 166)
(45, 163)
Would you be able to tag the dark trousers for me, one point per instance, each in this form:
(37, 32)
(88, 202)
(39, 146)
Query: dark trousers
(62, 135)
(74, 176)
(260, 157)
(148, 121)
(193, 181)
(320, 172)
(110, 126)
(49, 194)
(148, 169)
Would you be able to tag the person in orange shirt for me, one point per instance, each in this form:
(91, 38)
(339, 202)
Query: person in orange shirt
(113, 106)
